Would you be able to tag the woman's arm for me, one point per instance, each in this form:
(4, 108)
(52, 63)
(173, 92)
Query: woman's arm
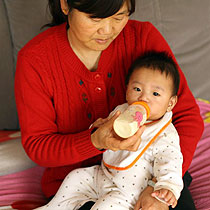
(41, 138)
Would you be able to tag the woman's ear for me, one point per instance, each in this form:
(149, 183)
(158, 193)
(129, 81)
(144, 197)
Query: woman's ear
(64, 7)
(172, 103)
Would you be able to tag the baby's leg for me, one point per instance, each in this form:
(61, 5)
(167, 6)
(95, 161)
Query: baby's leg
(76, 189)
(113, 200)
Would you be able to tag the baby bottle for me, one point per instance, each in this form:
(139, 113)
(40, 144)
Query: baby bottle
(129, 121)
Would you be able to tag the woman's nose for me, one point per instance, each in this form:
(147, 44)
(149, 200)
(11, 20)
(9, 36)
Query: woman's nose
(106, 28)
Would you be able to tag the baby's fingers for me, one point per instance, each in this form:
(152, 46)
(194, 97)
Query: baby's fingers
(172, 201)
(174, 204)
(169, 196)
(160, 193)
(156, 193)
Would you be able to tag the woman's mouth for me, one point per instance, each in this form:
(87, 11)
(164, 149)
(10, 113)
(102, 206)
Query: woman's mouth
(102, 41)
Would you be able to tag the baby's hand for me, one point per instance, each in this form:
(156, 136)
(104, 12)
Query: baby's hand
(165, 196)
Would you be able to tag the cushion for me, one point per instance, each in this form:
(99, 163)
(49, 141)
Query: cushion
(22, 188)
(20, 177)
(12, 155)
(200, 166)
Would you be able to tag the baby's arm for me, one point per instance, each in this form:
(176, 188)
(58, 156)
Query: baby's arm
(168, 167)
(165, 196)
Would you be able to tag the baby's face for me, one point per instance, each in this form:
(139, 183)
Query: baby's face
(154, 88)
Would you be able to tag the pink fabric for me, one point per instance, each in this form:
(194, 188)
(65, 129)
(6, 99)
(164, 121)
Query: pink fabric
(22, 186)
(7, 135)
(200, 166)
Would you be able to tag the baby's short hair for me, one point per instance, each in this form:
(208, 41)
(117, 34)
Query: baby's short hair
(161, 61)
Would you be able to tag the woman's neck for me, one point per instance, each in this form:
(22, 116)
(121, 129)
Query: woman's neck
(89, 58)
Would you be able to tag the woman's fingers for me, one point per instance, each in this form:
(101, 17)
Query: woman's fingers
(105, 138)
(133, 142)
(137, 206)
(98, 123)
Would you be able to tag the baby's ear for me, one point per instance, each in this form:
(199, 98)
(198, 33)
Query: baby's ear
(172, 103)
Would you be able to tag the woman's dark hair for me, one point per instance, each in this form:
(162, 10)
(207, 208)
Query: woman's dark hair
(96, 8)
(161, 61)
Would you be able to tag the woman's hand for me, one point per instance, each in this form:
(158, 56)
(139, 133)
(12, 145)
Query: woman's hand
(147, 202)
(105, 138)
(99, 122)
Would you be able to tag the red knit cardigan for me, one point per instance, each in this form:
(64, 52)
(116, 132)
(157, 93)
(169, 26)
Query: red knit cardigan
(58, 98)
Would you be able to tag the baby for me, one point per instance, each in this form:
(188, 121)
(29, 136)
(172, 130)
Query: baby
(117, 183)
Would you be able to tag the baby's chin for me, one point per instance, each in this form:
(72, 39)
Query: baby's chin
(152, 118)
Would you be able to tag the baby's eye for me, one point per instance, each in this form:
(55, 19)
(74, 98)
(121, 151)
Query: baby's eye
(156, 94)
(137, 89)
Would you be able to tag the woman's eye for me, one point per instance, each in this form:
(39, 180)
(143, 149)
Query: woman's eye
(137, 89)
(156, 94)
(119, 19)
(96, 19)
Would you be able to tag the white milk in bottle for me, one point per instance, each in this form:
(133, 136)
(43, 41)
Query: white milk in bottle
(131, 119)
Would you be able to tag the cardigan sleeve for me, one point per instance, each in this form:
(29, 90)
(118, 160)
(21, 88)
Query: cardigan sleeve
(40, 137)
(186, 114)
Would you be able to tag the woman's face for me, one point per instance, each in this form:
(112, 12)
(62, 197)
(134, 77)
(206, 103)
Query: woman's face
(95, 33)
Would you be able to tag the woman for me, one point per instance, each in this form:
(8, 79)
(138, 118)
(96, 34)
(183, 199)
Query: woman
(74, 73)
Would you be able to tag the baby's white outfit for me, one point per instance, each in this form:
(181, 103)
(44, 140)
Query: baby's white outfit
(123, 175)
